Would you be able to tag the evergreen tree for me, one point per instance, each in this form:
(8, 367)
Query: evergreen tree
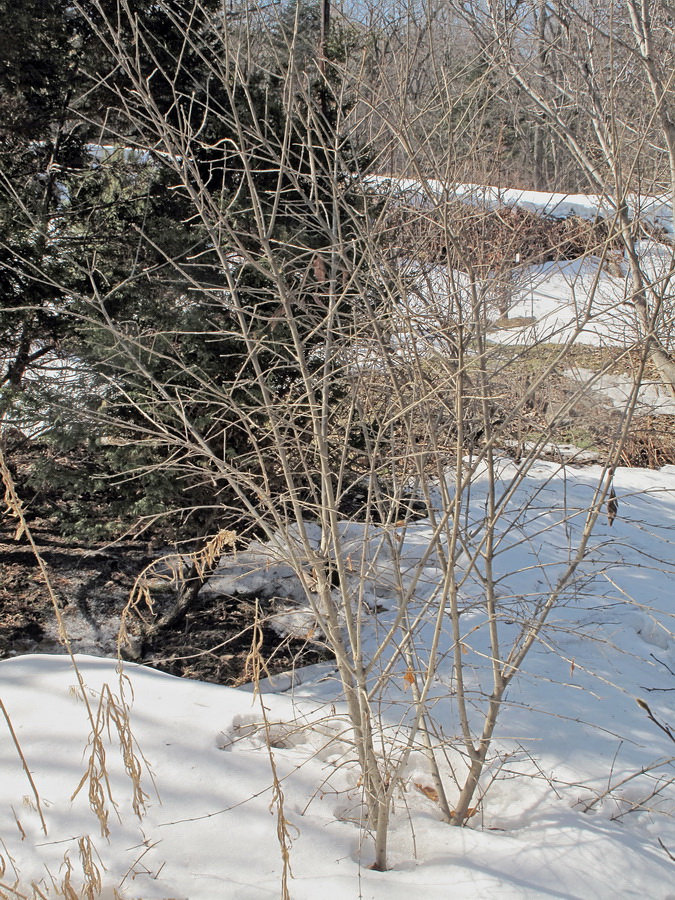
(40, 148)
(136, 278)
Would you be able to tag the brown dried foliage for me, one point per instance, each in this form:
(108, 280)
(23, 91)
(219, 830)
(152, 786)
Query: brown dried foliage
(486, 240)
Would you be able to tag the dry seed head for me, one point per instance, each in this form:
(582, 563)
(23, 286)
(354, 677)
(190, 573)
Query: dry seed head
(12, 501)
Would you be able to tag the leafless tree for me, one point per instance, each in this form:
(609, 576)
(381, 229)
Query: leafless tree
(598, 78)
(398, 393)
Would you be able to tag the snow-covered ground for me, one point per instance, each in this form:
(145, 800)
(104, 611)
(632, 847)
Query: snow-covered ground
(578, 798)
(585, 298)
(565, 811)
(581, 300)
(653, 397)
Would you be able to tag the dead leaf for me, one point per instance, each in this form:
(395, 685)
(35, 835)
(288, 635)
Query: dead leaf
(429, 792)
(471, 811)
(319, 269)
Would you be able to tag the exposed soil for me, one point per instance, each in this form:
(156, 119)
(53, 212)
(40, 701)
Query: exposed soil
(213, 640)
(216, 639)
(91, 584)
